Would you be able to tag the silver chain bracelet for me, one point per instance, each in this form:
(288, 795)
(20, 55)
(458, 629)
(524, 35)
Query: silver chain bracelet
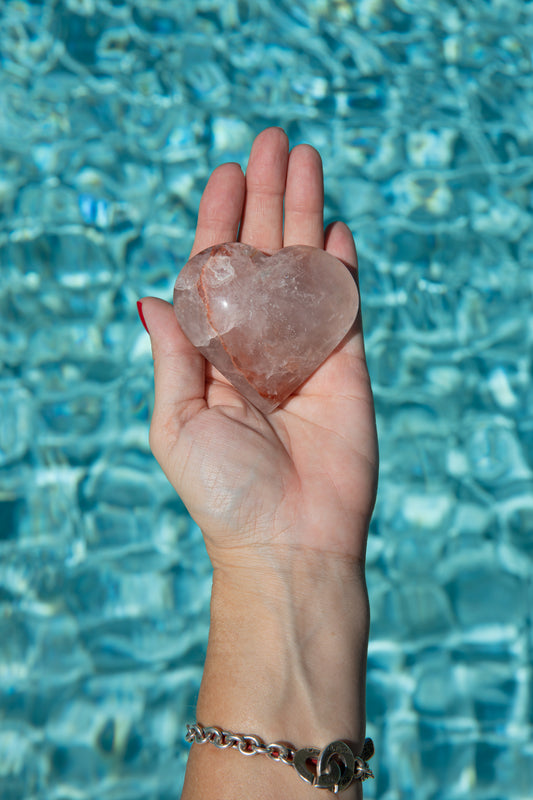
(334, 768)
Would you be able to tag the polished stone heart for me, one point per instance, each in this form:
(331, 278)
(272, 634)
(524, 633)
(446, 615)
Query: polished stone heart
(265, 321)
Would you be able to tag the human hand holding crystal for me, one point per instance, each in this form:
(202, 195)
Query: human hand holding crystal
(283, 499)
(300, 480)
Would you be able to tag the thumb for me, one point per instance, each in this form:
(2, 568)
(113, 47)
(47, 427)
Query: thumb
(179, 369)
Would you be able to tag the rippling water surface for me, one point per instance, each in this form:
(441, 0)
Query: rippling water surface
(112, 114)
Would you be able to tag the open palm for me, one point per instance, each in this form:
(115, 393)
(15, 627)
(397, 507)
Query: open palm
(301, 479)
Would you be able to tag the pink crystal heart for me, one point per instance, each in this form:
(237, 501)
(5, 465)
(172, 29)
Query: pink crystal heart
(265, 321)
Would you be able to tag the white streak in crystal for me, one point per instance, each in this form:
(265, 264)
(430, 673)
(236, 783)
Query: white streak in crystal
(218, 270)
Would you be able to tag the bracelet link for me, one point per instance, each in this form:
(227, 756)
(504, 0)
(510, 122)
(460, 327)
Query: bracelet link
(250, 745)
(278, 751)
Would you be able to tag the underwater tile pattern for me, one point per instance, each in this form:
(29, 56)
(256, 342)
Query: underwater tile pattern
(112, 114)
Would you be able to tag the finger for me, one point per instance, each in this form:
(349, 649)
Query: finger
(340, 243)
(262, 222)
(304, 198)
(220, 209)
(179, 370)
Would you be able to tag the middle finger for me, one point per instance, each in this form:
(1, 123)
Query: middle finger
(266, 175)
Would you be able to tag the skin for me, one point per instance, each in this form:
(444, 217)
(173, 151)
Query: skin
(283, 500)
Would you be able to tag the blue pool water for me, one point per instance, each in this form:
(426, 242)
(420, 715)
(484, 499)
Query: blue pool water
(112, 114)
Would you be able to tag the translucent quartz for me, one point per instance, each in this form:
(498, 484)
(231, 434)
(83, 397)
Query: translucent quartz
(265, 321)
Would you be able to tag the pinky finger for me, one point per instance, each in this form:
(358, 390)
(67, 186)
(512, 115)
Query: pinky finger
(338, 241)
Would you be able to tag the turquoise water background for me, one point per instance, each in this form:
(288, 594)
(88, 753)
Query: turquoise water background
(112, 115)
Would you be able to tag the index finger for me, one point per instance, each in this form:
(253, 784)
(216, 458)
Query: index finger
(220, 209)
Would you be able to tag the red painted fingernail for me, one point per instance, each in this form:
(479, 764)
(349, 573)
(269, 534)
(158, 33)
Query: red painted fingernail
(141, 315)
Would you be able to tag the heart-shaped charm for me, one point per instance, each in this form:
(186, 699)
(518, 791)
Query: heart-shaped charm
(328, 766)
(305, 761)
(265, 321)
(328, 773)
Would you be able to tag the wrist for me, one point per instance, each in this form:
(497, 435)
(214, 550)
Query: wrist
(287, 653)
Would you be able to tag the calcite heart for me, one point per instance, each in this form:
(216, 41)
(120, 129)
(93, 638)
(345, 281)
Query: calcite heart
(265, 321)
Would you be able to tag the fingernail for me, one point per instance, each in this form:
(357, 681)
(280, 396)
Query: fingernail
(141, 315)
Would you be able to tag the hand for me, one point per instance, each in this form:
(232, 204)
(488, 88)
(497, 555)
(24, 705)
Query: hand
(267, 490)
(283, 500)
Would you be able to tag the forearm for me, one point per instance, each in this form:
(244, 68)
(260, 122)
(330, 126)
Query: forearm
(286, 660)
